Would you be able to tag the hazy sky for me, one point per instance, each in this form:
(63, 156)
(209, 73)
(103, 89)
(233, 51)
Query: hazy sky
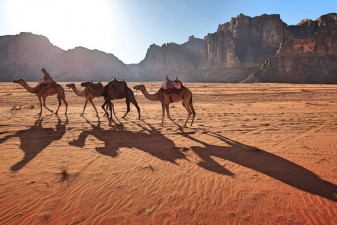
(126, 28)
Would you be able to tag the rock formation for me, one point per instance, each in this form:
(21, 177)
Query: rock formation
(245, 49)
(172, 60)
(25, 54)
(309, 57)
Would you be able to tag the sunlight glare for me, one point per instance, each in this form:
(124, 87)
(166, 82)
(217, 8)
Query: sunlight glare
(66, 23)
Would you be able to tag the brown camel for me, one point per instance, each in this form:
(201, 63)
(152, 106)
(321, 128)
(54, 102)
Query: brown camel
(166, 99)
(113, 90)
(44, 91)
(85, 93)
(97, 90)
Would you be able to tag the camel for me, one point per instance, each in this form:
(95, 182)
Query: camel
(85, 93)
(113, 90)
(44, 91)
(166, 99)
(97, 90)
(118, 89)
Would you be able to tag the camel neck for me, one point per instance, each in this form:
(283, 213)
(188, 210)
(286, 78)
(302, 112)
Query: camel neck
(151, 97)
(77, 92)
(28, 88)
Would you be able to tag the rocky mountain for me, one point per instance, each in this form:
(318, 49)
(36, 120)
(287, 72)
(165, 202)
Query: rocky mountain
(245, 49)
(310, 56)
(25, 54)
(171, 59)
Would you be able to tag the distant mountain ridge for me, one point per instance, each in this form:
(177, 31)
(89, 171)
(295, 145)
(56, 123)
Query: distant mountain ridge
(245, 49)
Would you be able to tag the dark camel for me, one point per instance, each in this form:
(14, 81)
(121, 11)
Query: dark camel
(44, 91)
(113, 90)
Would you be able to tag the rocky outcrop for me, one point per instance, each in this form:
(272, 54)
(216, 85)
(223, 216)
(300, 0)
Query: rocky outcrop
(310, 57)
(245, 49)
(172, 60)
(240, 46)
(80, 63)
(25, 54)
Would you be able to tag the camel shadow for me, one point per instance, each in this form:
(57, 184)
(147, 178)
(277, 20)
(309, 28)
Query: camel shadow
(264, 162)
(148, 140)
(35, 139)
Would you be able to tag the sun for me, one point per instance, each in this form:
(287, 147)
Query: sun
(67, 24)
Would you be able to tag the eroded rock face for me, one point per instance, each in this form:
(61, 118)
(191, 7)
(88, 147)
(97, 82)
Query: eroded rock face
(259, 49)
(171, 60)
(240, 46)
(309, 57)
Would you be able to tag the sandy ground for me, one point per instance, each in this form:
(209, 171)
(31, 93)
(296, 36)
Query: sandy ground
(256, 154)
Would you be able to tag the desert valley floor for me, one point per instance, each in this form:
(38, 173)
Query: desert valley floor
(256, 154)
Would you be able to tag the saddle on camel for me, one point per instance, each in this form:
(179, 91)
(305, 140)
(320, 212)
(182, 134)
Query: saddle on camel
(172, 87)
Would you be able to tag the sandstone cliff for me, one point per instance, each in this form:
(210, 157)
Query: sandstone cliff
(245, 49)
(309, 57)
(240, 46)
(172, 60)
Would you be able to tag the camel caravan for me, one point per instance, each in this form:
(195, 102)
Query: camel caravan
(169, 92)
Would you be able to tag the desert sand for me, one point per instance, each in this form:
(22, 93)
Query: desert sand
(256, 154)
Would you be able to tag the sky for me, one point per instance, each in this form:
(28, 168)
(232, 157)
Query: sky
(126, 28)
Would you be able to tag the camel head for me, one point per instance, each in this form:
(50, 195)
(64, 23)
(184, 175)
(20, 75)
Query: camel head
(140, 87)
(20, 81)
(72, 85)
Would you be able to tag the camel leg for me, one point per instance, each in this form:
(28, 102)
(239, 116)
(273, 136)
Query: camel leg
(40, 105)
(112, 109)
(163, 114)
(193, 111)
(66, 104)
(105, 110)
(105, 106)
(85, 105)
(187, 107)
(127, 107)
(44, 104)
(136, 105)
(59, 99)
(168, 113)
(93, 105)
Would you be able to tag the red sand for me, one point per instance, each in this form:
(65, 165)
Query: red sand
(257, 154)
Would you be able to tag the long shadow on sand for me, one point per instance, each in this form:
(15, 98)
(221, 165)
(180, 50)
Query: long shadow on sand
(35, 139)
(263, 162)
(153, 142)
(148, 140)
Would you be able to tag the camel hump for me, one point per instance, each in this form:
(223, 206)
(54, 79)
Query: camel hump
(119, 85)
(97, 85)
